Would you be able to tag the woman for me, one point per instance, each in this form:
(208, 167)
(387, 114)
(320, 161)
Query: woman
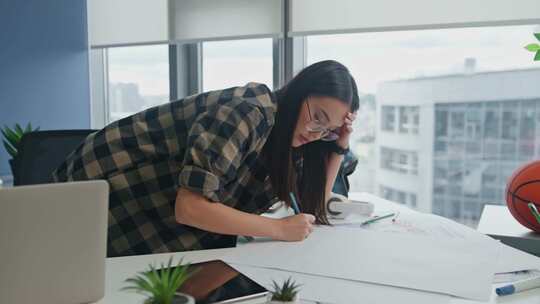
(192, 173)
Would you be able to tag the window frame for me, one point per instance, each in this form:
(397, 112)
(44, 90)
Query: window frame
(290, 56)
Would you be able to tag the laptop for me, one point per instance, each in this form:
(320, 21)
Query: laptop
(53, 241)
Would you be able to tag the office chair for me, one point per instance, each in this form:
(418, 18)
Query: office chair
(41, 152)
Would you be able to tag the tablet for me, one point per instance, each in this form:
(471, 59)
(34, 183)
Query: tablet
(216, 282)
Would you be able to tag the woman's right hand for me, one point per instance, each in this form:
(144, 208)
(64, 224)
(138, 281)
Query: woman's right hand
(295, 227)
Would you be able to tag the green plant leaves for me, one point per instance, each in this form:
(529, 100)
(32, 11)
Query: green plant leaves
(9, 148)
(160, 284)
(285, 292)
(533, 47)
(11, 141)
(19, 129)
(12, 137)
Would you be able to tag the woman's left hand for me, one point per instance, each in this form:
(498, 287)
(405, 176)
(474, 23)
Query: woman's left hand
(345, 131)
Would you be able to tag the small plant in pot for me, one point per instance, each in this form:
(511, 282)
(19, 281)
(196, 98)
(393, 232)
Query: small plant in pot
(284, 293)
(12, 140)
(161, 285)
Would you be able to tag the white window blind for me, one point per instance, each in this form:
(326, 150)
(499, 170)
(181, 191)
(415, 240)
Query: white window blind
(225, 20)
(133, 22)
(339, 16)
(127, 22)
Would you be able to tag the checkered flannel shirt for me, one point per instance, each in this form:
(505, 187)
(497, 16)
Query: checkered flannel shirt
(208, 143)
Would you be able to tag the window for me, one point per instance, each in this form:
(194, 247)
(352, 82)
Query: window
(387, 193)
(388, 118)
(457, 123)
(510, 121)
(441, 122)
(138, 79)
(473, 110)
(402, 197)
(412, 200)
(409, 120)
(473, 123)
(399, 196)
(492, 120)
(399, 161)
(237, 62)
(527, 130)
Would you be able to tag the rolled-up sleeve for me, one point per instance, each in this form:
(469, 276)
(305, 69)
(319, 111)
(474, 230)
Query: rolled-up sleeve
(218, 142)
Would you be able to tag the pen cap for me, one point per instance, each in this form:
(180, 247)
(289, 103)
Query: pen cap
(505, 290)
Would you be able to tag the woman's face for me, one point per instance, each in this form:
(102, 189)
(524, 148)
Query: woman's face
(328, 112)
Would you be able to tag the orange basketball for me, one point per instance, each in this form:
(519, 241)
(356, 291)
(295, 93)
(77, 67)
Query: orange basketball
(523, 188)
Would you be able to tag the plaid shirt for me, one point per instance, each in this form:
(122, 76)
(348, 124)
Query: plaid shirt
(208, 143)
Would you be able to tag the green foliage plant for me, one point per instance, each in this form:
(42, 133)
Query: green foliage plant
(160, 285)
(12, 137)
(534, 47)
(287, 292)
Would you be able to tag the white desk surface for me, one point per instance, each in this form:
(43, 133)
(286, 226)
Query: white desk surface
(119, 269)
(497, 220)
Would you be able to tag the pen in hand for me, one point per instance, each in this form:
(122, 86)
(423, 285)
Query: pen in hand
(294, 204)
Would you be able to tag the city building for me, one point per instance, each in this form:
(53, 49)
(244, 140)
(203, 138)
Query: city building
(447, 144)
(126, 99)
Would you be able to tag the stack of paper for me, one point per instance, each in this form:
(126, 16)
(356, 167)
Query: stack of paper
(418, 258)
(458, 267)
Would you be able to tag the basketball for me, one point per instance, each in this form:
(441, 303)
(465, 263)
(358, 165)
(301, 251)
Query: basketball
(523, 188)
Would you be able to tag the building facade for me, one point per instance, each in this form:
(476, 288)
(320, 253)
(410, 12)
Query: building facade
(448, 144)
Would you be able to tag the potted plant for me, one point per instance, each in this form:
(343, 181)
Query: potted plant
(286, 293)
(534, 47)
(12, 140)
(161, 285)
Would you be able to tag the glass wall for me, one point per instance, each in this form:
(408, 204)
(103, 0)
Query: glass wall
(138, 79)
(237, 62)
(434, 105)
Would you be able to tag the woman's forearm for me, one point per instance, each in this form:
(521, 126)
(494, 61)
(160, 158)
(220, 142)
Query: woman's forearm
(195, 210)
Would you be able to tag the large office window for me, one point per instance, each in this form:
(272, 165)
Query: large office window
(237, 62)
(138, 79)
(465, 91)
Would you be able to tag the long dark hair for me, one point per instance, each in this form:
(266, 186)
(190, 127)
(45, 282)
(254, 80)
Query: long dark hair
(326, 78)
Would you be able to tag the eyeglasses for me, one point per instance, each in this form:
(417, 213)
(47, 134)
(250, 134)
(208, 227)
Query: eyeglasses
(316, 126)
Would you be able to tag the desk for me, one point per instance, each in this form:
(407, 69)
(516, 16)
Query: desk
(119, 269)
(498, 222)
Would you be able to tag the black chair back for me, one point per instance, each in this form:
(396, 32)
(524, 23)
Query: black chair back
(41, 152)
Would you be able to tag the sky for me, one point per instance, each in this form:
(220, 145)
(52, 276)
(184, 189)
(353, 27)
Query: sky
(376, 57)
(371, 57)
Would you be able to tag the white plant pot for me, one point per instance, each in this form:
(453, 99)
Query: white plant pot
(295, 301)
(182, 298)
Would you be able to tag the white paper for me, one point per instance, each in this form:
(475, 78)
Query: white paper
(463, 268)
(515, 276)
(511, 259)
(338, 291)
(414, 223)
